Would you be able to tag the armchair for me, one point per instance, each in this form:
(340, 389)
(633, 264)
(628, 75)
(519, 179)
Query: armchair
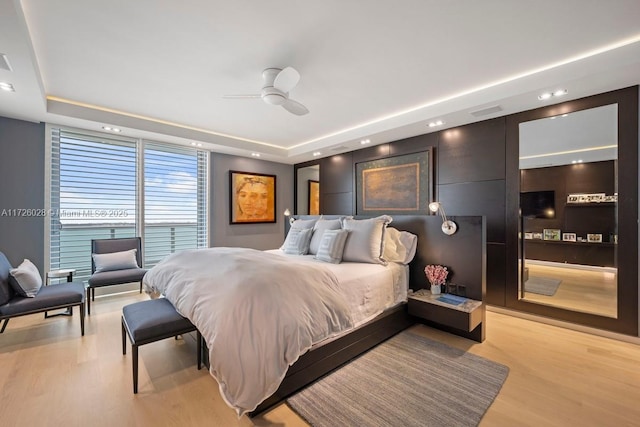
(47, 298)
(117, 268)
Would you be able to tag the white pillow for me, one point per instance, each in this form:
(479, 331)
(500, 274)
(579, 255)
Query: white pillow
(115, 261)
(27, 278)
(365, 242)
(318, 230)
(399, 246)
(303, 223)
(332, 246)
(297, 241)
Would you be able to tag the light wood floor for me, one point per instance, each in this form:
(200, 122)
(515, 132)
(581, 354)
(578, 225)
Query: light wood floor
(50, 376)
(581, 290)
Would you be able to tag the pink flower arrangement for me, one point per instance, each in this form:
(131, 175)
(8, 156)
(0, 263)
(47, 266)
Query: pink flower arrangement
(436, 274)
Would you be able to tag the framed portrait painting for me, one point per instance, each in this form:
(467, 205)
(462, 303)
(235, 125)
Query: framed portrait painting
(314, 197)
(394, 185)
(252, 197)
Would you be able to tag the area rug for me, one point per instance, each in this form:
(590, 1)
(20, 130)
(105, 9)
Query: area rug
(408, 380)
(541, 285)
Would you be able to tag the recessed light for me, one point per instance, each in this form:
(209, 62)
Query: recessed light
(365, 141)
(255, 154)
(547, 95)
(7, 87)
(564, 115)
(199, 144)
(436, 123)
(193, 143)
(316, 154)
(117, 130)
(106, 127)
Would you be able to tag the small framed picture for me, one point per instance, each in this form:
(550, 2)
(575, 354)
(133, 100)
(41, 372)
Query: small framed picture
(613, 198)
(583, 198)
(594, 238)
(551, 234)
(528, 236)
(569, 237)
(572, 198)
(537, 236)
(580, 239)
(595, 198)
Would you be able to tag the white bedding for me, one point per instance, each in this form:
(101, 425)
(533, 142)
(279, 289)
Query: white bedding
(234, 297)
(368, 288)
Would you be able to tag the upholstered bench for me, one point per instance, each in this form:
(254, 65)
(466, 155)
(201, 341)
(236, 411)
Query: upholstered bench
(153, 320)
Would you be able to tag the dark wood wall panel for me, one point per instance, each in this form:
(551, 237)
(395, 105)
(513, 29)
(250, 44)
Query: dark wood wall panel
(336, 203)
(371, 153)
(496, 274)
(336, 174)
(477, 198)
(413, 145)
(474, 152)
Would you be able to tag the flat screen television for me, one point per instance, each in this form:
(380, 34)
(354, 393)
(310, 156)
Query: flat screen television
(538, 204)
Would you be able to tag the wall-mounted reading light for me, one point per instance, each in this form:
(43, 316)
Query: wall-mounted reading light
(287, 212)
(448, 227)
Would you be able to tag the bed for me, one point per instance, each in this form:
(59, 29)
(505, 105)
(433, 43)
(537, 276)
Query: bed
(261, 350)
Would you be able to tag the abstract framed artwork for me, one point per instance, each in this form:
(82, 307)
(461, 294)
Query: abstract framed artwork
(252, 198)
(394, 185)
(314, 197)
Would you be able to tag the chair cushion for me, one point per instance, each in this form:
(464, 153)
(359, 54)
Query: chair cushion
(49, 296)
(6, 291)
(154, 319)
(116, 277)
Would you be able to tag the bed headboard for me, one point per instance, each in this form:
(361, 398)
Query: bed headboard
(464, 252)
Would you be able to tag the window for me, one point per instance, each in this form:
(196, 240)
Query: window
(103, 187)
(174, 201)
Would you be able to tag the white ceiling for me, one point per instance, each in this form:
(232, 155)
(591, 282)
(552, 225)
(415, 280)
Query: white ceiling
(378, 70)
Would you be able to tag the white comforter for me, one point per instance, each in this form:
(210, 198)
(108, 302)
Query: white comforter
(258, 312)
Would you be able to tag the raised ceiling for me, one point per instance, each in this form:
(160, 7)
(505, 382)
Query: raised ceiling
(376, 70)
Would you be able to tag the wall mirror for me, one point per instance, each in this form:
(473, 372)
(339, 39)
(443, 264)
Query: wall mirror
(572, 228)
(568, 211)
(308, 190)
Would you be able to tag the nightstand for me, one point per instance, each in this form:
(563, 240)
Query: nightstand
(465, 316)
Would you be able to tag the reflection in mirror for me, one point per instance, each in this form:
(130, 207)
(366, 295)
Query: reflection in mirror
(568, 211)
(304, 199)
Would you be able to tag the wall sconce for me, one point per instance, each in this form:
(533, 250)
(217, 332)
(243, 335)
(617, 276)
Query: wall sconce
(287, 212)
(448, 227)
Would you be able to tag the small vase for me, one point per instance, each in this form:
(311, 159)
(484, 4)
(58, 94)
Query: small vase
(435, 289)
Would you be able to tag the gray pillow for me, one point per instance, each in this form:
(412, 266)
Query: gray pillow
(115, 261)
(297, 241)
(318, 230)
(366, 239)
(27, 279)
(303, 223)
(332, 246)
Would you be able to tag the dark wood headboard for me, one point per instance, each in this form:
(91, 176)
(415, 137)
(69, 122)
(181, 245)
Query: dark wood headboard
(464, 252)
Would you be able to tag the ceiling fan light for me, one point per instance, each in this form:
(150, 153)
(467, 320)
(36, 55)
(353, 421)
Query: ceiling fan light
(274, 98)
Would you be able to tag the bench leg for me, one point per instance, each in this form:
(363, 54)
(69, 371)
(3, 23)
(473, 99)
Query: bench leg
(134, 351)
(4, 325)
(140, 286)
(89, 301)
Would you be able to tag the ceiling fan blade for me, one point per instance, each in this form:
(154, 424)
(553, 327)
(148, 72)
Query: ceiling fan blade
(295, 107)
(241, 96)
(286, 79)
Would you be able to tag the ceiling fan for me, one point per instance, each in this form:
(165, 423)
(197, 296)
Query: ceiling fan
(275, 90)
